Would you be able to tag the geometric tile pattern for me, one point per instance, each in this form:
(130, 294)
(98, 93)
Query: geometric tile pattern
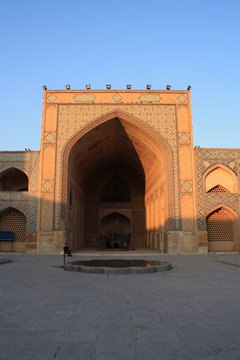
(26, 202)
(220, 225)
(205, 159)
(49, 138)
(51, 98)
(72, 118)
(186, 186)
(184, 138)
(47, 185)
(117, 98)
(182, 99)
(218, 189)
(16, 221)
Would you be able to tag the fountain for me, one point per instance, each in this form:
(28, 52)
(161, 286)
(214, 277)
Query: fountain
(118, 266)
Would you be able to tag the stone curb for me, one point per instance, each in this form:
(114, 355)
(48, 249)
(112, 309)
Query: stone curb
(116, 271)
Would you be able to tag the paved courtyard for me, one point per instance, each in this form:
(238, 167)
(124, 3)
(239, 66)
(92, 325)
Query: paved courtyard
(190, 312)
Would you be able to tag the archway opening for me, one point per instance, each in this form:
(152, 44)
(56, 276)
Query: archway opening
(116, 168)
(115, 232)
(13, 180)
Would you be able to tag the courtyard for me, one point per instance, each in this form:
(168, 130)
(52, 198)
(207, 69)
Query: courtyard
(190, 312)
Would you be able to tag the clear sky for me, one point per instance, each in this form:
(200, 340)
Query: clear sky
(177, 42)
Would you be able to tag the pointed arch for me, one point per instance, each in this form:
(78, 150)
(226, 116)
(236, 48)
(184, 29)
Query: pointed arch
(221, 228)
(13, 179)
(115, 230)
(116, 213)
(220, 175)
(151, 139)
(11, 219)
(124, 116)
(228, 208)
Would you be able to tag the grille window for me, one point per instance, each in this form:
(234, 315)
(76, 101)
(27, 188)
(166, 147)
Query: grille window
(15, 221)
(220, 226)
(218, 189)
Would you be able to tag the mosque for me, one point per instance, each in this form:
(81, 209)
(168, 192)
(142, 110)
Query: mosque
(118, 169)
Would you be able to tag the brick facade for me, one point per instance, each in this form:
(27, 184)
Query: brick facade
(159, 125)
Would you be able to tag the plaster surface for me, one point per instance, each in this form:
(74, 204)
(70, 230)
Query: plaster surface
(191, 312)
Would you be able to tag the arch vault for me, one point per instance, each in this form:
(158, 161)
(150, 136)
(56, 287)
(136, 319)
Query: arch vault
(112, 166)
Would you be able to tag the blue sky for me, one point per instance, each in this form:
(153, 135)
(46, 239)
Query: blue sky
(118, 42)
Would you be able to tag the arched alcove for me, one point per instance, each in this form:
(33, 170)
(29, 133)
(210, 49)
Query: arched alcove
(220, 179)
(115, 165)
(13, 179)
(115, 231)
(221, 228)
(14, 220)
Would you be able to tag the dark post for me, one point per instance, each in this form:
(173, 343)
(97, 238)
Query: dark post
(66, 251)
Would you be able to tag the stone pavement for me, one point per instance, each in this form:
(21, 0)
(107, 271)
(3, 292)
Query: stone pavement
(190, 312)
(4, 260)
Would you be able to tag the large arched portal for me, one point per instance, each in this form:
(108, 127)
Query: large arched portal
(116, 167)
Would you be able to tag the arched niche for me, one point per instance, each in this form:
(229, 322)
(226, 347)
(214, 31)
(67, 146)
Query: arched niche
(114, 144)
(115, 231)
(220, 179)
(14, 220)
(222, 224)
(13, 179)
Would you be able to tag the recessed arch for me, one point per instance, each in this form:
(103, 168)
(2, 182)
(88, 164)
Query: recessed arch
(222, 177)
(13, 179)
(221, 226)
(115, 231)
(117, 139)
(11, 219)
(148, 133)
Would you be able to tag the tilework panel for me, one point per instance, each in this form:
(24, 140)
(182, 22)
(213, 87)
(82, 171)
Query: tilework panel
(49, 138)
(186, 186)
(184, 138)
(51, 98)
(47, 186)
(117, 98)
(23, 201)
(205, 159)
(182, 99)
